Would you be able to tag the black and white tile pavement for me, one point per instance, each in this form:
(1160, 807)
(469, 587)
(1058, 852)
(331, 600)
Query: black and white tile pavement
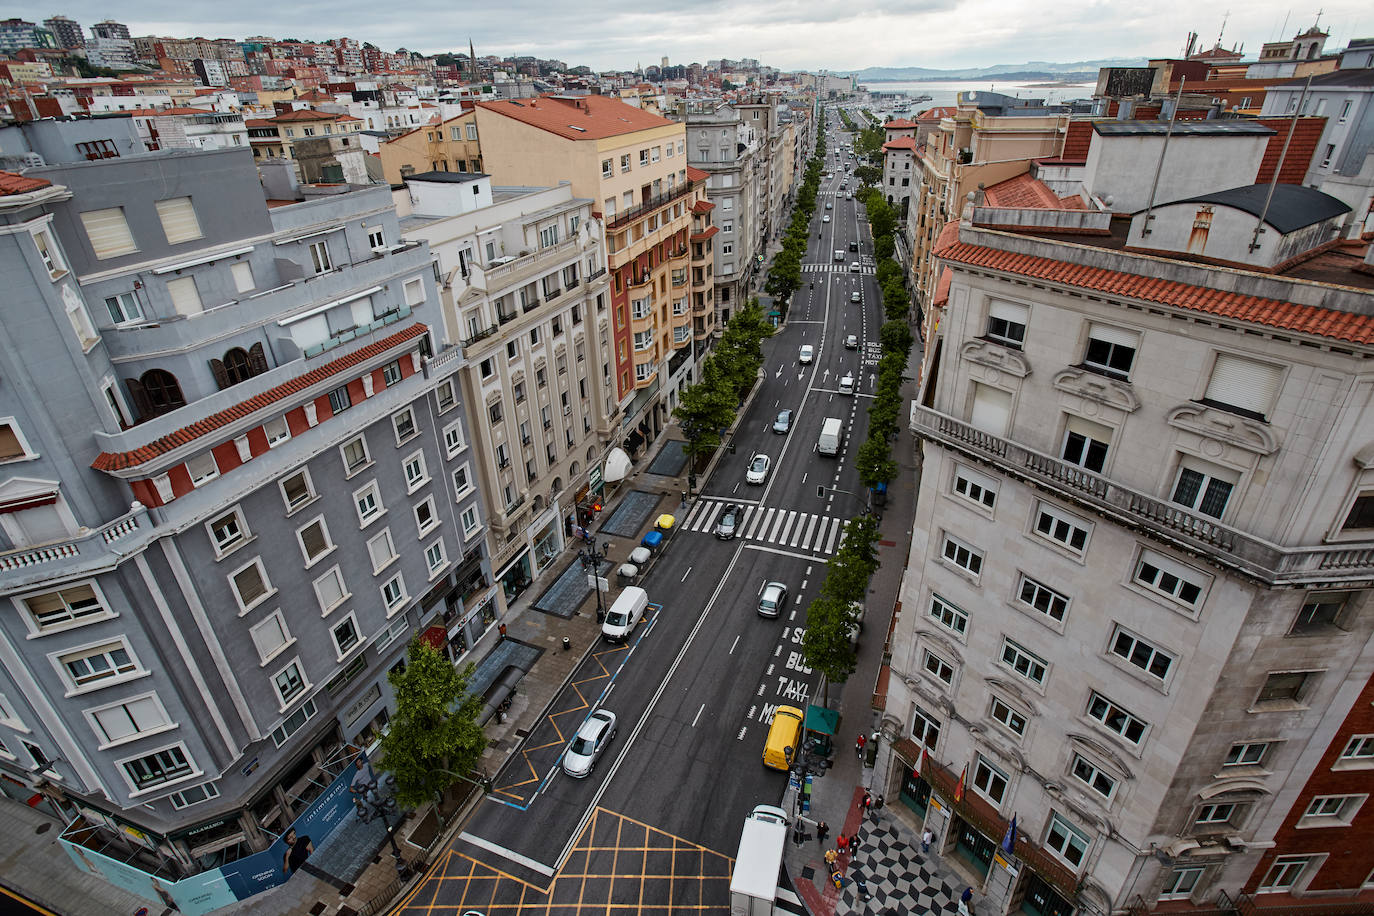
(900, 880)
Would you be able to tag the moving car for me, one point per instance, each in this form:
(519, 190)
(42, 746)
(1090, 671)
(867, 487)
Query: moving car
(806, 354)
(829, 205)
(784, 421)
(773, 599)
(758, 469)
(728, 522)
(784, 737)
(847, 384)
(853, 267)
(826, 218)
(851, 342)
(589, 742)
(853, 246)
(854, 296)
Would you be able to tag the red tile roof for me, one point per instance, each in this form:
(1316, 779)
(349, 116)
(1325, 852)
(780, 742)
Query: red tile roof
(696, 174)
(937, 113)
(942, 287)
(898, 124)
(306, 114)
(1307, 133)
(703, 206)
(589, 117)
(901, 143)
(116, 461)
(13, 183)
(1076, 140)
(1023, 192)
(1274, 313)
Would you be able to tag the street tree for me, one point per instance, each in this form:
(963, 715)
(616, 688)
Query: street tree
(826, 645)
(869, 174)
(895, 337)
(434, 735)
(874, 462)
(704, 410)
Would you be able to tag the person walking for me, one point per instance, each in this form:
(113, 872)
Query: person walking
(878, 804)
(822, 831)
(830, 857)
(842, 843)
(926, 839)
(502, 630)
(859, 746)
(867, 801)
(860, 884)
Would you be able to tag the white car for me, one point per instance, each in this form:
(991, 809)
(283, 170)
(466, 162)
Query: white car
(826, 218)
(851, 342)
(855, 297)
(758, 469)
(591, 739)
(807, 354)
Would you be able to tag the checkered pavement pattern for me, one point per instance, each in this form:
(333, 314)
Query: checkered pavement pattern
(899, 879)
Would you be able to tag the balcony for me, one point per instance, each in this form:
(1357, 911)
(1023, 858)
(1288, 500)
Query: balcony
(94, 549)
(1253, 557)
(642, 280)
(650, 205)
(506, 319)
(530, 306)
(481, 335)
(596, 274)
(512, 273)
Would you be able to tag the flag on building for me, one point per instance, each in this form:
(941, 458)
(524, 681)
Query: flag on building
(1009, 840)
(959, 789)
(920, 763)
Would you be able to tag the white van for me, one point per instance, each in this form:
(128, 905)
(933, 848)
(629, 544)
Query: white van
(839, 254)
(625, 614)
(832, 433)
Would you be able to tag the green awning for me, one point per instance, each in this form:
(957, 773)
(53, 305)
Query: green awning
(821, 720)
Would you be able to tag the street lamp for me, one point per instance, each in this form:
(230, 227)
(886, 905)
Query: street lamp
(371, 804)
(591, 561)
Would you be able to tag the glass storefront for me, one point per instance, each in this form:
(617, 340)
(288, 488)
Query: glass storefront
(1042, 900)
(975, 848)
(517, 577)
(548, 542)
(915, 792)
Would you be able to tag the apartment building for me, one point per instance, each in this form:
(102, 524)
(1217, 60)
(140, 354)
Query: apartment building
(525, 293)
(1136, 615)
(761, 119)
(448, 146)
(230, 436)
(273, 138)
(899, 164)
(633, 163)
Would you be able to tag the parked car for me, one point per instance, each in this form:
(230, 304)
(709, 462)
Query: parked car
(806, 354)
(589, 743)
(851, 342)
(773, 599)
(758, 469)
(728, 522)
(784, 421)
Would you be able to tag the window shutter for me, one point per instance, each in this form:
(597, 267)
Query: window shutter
(179, 221)
(108, 232)
(1243, 383)
(220, 373)
(257, 359)
(991, 409)
(250, 585)
(242, 272)
(1009, 311)
(314, 540)
(1095, 431)
(142, 406)
(1112, 335)
(9, 443)
(185, 296)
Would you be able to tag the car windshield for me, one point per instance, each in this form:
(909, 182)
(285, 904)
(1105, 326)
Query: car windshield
(617, 618)
(760, 463)
(583, 745)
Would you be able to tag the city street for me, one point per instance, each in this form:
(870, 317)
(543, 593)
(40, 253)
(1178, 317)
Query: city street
(656, 823)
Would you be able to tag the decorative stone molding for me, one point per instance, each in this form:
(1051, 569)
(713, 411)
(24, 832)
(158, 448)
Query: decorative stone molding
(1109, 391)
(1211, 423)
(996, 356)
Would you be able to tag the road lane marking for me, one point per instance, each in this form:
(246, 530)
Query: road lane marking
(732, 646)
(697, 716)
(782, 553)
(509, 854)
(686, 574)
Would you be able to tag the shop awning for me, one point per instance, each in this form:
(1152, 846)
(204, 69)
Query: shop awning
(618, 465)
(822, 721)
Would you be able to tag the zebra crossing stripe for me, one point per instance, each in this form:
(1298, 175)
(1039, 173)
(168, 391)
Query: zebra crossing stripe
(782, 538)
(834, 530)
(754, 522)
(710, 516)
(782, 516)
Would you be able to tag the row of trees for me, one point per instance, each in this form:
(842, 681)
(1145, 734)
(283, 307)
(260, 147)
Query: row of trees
(784, 275)
(829, 644)
(708, 407)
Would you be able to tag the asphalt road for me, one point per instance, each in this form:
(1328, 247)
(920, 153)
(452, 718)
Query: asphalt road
(695, 687)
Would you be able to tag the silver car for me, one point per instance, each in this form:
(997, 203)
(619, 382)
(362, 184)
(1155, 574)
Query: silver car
(773, 599)
(758, 469)
(588, 744)
(728, 522)
(784, 421)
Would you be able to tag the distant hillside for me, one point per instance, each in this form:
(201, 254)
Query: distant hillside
(1076, 71)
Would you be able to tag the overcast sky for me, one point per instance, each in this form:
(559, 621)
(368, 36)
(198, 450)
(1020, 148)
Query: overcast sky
(789, 34)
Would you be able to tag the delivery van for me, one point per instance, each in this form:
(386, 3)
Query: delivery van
(839, 254)
(625, 614)
(784, 737)
(832, 433)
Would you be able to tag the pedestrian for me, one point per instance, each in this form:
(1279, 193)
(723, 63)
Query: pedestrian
(842, 843)
(830, 857)
(822, 831)
(861, 885)
(926, 839)
(859, 746)
(867, 801)
(966, 902)
(502, 630)
(880, 802)
(798, 833)
(854, 844)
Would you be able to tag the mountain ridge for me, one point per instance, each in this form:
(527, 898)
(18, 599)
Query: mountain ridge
(1035, 69)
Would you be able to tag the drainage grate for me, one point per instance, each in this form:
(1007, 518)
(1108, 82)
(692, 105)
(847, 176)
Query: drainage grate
(319, 907)
(808, 873)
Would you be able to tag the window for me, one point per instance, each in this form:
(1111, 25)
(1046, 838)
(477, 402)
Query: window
(495, 412)
(1284, 874)
(66, 607)
(1024, 662)
(314, 541)
(194, 795)
(625, 162)
(102, 663)
(1327, 156)
(346, 636)
(319, 256)
(453, 439)
(393, 592)
(1175, 581)
(975, 487)
(368, 501)
(124, 308)
(404, 424)
(178, 219)
(607, 168)
(293, 722)
(991, 409)
(202, 469)
(165, 766)
(1153, 661)
(1204, 487)
(1059, 526)
(227, 531)
(1243, 386)
(446, 396)
(1286, 688)
(355, 456)
(469, 521)
(48, 252)
(1092, 776)
(130, 719)
(644, 157)
(1111, 351)
(425, 517)
(947, 615)
(414, 468)
(250, 584)
(1116, 718)
(1246, 754)
(290, 683)
(108, 233)
(1085, 443)
(487, 367)
(1331, 811)
(925, 729)
(1218, 813)
(297, 490)
(942, 670)
(242, 273)
(1345, 111)
(381, 550)
(271, 636)
(1067, 841)
(548, 236)
(1042, 598)
(989, 781)
(391, 373)
(340, 400)
(962, 555)
(1359, 748)
(435, 557)
(462, 480)
(1361, 514)
(1007, 717)
(1007, 323)
(331, 591)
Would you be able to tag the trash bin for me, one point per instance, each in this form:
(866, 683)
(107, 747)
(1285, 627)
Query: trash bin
(639, 556)
(653, 541)
(626, 574)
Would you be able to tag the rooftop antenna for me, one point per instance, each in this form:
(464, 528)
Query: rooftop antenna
(1225, 16)
(1273, 182)
(1159, 166)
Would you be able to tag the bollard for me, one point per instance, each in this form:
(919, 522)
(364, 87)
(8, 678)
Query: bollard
(567, 643)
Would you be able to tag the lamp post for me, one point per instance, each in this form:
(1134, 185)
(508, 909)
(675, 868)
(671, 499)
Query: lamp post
(371, 804)
(591, 559)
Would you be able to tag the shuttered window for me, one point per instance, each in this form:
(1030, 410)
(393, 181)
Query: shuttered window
(242, 272)
(10, 446)
(1243, 384)
(128, 719)
(185, 296)
(108, 233)
(314, 540)
(179, 221)
(991, 409)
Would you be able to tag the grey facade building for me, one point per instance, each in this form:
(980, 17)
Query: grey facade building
(67, 32)
(227, 503)
(108, 28)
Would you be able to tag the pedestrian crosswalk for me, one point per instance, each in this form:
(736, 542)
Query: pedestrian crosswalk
(787, 528)
(837, 268)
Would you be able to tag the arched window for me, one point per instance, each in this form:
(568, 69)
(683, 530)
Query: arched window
(236, 366)
(154, 393)
(239, 365)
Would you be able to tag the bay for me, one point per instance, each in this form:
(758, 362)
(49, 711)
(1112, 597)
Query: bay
(945, 92)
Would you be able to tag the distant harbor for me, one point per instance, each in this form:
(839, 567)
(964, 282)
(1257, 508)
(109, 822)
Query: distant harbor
(924, 94)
